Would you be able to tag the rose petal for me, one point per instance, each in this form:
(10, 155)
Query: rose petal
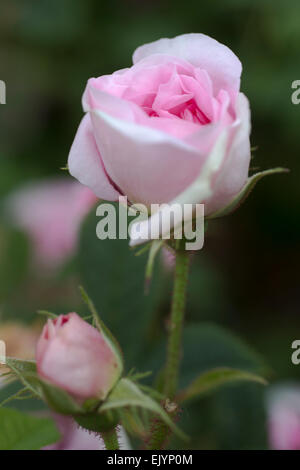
(133, 153)
(85, 163)
(234, 171)
(222, 65)
(196, 193)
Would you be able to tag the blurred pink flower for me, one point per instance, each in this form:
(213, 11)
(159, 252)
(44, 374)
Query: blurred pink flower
(76, 357)
(50, 213)
(284, 417)
(74, 437)
(168, 258)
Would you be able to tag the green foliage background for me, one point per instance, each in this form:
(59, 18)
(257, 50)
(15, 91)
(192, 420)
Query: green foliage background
(246, 279)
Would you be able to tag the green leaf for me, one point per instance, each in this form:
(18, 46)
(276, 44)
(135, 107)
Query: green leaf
(19, 431)
(128, 394)
(232, 417)
(208, 346)
(114, 278)
(218, 420)
(213, 379)
(245, 191)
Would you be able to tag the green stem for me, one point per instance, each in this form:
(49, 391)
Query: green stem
(110, 439)
(161, 431)
(176, 325)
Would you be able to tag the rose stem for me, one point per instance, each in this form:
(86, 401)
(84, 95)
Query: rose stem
(160, 430)
(110, 439)
(176, 325)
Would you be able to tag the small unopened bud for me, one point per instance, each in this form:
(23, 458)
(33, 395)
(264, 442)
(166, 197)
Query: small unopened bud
(74, 356)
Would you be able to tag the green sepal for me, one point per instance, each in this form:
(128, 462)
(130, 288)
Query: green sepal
(102, 328)
(59, 400)
(98, 422)
(245, 191)
(127, 394)
(156, 245)
(25, 372)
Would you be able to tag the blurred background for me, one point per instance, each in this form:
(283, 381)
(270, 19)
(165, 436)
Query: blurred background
(247, 277)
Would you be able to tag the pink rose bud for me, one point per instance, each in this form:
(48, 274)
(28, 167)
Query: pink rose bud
(74, 356)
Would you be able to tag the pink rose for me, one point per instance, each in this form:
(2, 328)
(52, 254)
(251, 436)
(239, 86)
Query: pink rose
(51, 212)
(283, 407)
(76, 357)
(172, 128)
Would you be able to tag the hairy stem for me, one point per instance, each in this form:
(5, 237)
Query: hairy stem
(176, 325)
(110, 439)
(161, 431)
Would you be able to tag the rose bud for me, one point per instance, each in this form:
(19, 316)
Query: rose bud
(75, 356)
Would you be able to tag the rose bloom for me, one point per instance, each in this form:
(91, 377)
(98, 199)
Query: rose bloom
(174, 118)
(51, 212)
(283, 406)
(76, 357)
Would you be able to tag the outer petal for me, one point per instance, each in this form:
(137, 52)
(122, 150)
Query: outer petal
(197, 192)
(222, 65)
(148, 165)
(234, 172)
(86, 165)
